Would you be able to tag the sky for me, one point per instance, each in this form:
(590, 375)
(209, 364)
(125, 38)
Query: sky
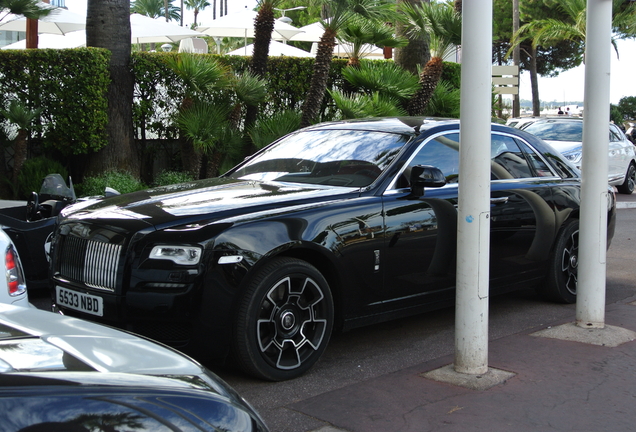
(568, 86)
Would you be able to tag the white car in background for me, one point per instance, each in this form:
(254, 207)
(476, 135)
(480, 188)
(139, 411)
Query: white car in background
(566, 135)
(13, 288)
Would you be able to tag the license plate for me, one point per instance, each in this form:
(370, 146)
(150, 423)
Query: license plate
(87, 303)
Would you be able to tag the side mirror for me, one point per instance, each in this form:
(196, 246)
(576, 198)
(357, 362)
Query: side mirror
(109, 192)
(423, 176)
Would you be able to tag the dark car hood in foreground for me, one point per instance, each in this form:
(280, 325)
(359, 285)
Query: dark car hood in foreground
(217, 198)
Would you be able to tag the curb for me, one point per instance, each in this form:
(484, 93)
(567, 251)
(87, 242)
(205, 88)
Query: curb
(625, 205)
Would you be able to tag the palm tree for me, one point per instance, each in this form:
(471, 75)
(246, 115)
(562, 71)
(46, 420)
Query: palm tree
(549, 31)
(341, 12)
(22, 117)
(361, 33)
(198, 6)
(416, 52)
(379, 89)
(155, 9)
(570, 26)
(263, 27)
(108, 26)
(443, 25)
(201, 75)
(28, 8)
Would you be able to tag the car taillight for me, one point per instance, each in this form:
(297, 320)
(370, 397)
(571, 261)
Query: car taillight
(15, 276)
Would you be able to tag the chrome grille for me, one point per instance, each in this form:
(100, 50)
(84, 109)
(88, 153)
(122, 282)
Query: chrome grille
(90, 262)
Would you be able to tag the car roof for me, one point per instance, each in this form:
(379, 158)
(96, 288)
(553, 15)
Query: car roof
(402, 125)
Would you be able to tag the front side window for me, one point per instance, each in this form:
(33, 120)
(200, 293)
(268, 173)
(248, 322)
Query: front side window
(508, 161)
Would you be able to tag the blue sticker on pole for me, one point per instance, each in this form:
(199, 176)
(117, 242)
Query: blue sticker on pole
(469, 219)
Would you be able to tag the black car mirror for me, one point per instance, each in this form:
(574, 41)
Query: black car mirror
(423, 176)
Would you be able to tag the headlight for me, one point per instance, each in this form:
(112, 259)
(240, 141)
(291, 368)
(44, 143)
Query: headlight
(183, 255)
(574, 156)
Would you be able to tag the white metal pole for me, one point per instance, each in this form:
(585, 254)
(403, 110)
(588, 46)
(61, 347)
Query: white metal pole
(590, 302)
(473, 227)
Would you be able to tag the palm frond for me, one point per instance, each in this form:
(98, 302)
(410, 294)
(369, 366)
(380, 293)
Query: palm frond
(200, 74)
(20, 114)
(388, 79)
(268, 129)
(202, 123)
(366, 105)
(249, 88)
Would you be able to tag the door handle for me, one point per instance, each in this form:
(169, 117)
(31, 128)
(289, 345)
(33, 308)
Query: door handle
(499, 200)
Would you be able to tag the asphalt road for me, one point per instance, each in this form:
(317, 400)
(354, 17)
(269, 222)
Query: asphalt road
(370, 352)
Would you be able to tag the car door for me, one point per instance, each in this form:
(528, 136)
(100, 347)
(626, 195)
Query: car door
(620, 154)
(421, 232)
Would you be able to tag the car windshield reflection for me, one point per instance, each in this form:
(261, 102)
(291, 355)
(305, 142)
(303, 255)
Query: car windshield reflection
(557, 131)
(328, 157)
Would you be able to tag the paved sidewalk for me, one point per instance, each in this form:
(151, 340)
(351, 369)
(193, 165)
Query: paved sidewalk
(558, 385)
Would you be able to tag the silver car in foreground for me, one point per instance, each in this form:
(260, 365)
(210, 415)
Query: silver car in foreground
(59, 373)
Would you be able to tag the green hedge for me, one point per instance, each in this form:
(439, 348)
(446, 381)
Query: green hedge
(158, 90)
(69, 86)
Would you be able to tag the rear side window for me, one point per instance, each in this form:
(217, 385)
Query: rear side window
(542, 169)
(615, 134)
(507, 159)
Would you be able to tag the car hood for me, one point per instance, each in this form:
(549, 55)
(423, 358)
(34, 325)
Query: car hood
(101, 348)
(565, 146)
(214, 198)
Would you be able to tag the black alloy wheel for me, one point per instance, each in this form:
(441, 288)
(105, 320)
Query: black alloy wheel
(562, 277)
(284, 320)
(630, 181)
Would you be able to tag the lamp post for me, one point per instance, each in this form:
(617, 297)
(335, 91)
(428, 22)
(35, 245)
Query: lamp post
(286, 19)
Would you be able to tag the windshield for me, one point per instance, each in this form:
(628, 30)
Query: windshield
(556, 130)
(350, 158)
(54, 187)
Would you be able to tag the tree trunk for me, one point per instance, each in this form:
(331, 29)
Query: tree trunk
(19, 153)
(534, 83)
(416, 52)
(263, 27)
(318, 86)
(5, 177)
(428, 81)
(108, 26)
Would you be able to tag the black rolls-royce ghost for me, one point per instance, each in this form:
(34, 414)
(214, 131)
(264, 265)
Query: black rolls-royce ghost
(334, 226)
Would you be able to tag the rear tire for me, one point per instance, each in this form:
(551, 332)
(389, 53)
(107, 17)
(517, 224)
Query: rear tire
(284, 320)
(561, 282)
(630, 181)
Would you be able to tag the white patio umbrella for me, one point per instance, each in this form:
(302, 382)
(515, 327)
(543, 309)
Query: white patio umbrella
(74, 39)
(143, 30)
(59, 21)
(275, 49)
(242, 25)
(149, 30)
(310, 33)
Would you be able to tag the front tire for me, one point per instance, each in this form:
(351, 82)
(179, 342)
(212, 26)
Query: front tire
(284, 320)
(562, 279)
(630, 181)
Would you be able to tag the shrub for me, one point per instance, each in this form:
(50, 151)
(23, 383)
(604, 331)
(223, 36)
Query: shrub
(172, 177)
(122, 182)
